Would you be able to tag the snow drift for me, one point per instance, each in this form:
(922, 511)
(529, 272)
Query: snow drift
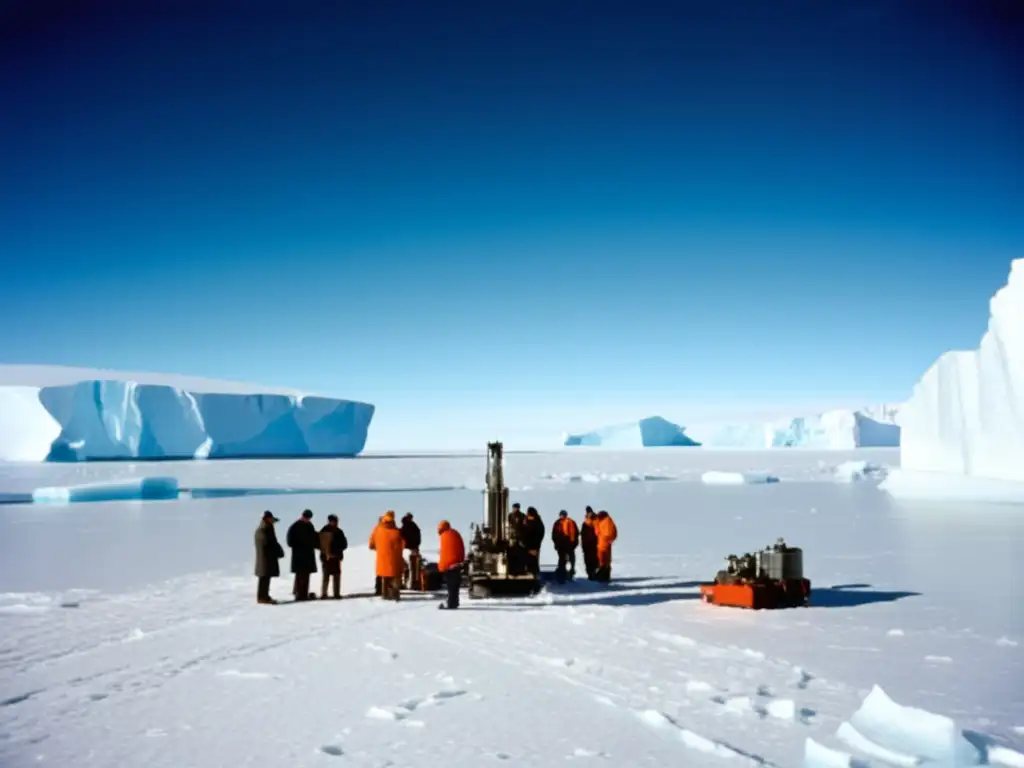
(870, 427)
(966, 414)
(59, 414)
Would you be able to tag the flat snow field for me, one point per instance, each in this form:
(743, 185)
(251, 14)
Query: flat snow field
(130, 635)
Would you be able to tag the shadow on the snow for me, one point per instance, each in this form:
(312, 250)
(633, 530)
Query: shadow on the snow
(631, 600)
(852, 595)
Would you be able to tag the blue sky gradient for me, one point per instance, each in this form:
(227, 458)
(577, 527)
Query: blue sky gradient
(519, 217)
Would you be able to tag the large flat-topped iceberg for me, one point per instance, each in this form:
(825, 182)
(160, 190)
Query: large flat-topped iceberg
(646, 433)
(52, 413)
(966, 414)
(872, 427)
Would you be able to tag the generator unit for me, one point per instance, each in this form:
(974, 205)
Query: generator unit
(497, 565)
(770, 578)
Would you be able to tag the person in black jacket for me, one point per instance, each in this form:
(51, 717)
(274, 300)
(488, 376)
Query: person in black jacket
(304, 542)
(268, 552)
(411, 538)
(533, 539)
(332, 551)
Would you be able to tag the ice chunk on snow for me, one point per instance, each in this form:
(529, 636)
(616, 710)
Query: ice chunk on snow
(966, 414)
(852, 471)
(819, 756)
(59, 414)
(736, 478)
(902, 735)
(148, 488)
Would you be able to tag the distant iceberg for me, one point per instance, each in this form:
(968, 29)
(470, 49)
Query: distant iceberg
(840, 429)
(647, 433)
(61, 414)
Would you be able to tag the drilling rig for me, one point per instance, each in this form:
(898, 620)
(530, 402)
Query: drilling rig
(497, 559)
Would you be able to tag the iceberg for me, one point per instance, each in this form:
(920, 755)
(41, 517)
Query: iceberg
(652, 432)
(966, 415)
(68, 415)
(869, 427)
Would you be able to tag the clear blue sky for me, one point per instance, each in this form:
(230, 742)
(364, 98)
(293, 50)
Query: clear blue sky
(522, 217)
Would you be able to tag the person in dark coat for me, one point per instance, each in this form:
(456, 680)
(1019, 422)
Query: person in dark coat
(412, 538)
(332, 551)
(268, 552)
(304, 542)
(588, 543)
(516, 520)
(533, 539)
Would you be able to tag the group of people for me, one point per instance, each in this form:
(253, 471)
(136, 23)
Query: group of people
(389, 541)
(330, 543)
(595, 539)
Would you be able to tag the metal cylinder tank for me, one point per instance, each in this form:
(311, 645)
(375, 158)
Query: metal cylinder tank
(783, 566)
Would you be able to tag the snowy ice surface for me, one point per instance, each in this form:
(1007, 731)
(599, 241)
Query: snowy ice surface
(50, 413)
(945, 487)
(966, 415)
(129, 633)
(870, 427)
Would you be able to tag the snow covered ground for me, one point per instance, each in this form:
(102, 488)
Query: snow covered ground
(130, 636)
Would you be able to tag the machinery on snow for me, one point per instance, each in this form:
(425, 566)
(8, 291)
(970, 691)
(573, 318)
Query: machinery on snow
(496, 562)
(769, 578)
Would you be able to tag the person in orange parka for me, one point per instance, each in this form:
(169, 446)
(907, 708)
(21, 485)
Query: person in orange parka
(606, 532)
(388, 543)
(588, 543)
(372, 544)
(449, 562)
(565, 536)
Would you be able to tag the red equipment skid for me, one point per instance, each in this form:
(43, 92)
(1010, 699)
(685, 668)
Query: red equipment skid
(792, 593)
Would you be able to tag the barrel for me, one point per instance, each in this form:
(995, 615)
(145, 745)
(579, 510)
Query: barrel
(783, 566)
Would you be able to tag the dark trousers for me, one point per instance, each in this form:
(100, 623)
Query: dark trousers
(376, 586)
(590, 561)
(391, 587)
(332, 573)
(263, 588)
(300, 588)
(533, 562)
(566, 557)
(452, 582)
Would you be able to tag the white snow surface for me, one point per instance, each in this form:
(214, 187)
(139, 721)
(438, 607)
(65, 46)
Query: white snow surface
(966, 414)
(130, 636)
(74, 414)
(836, 429)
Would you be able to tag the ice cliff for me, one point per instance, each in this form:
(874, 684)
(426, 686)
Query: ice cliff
(832, 430)
(60, 414)
(966, 414)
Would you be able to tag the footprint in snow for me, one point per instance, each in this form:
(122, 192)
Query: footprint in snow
(332, 749)
(385, 652)
(581, 752)
(406, 708)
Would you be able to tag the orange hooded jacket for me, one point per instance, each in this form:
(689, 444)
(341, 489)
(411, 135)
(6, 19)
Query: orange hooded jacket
(453, 549)
(606, 532)
(387, 540)
(565, 530)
